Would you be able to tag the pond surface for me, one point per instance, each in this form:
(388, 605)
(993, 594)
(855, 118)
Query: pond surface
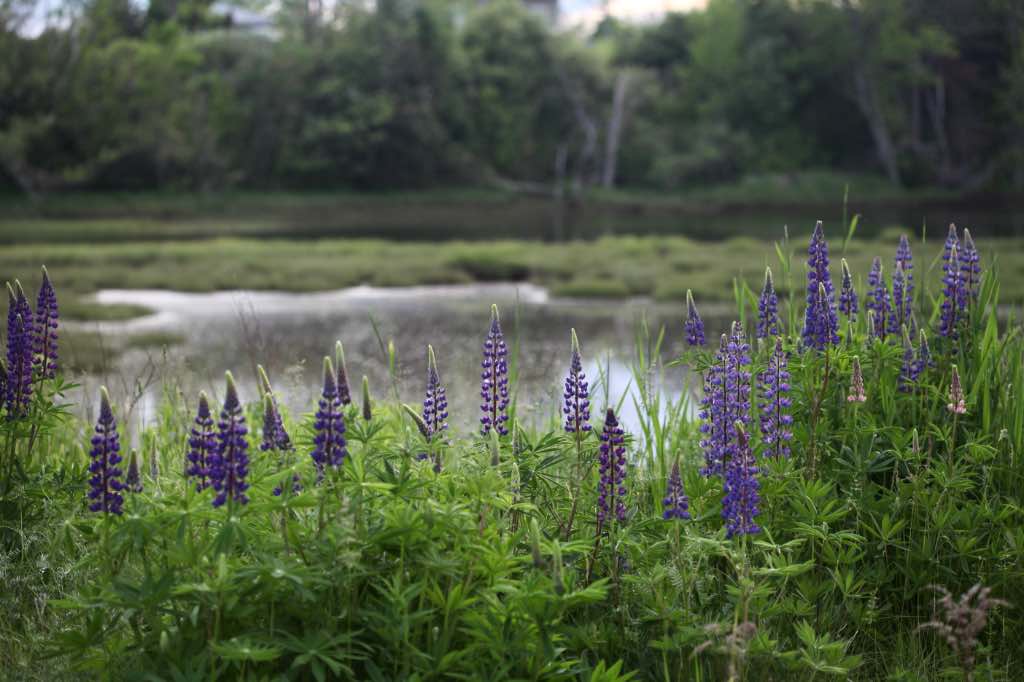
(290, 333)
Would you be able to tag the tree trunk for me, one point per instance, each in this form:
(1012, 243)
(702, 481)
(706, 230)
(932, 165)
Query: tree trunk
(867, 101)
(614, 133)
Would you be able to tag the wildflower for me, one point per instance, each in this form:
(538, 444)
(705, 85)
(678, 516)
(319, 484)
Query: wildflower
(202, 444)
(949, 318)
(775, 417)
(105, 482)
(848, 304)
(435, 406)
(694, 326)
(726, 400)
(229, 465)
(909, 369)
(494, 379)
(872, 325)
(856, 394)
(962, 621)
(19, 353)
(47, 321)
(924, 354)
(905, 260)
(947, 251)
(676, 503)
(344, 393)
(767, 308)
(612, 471)
(367, 404)
(957, 403)
(897, 318)
(970, 270)
(577, 395)
(329, 447)
(132, 480)
(821, 325)
(879, 299)
(741, 500)
(275, 437)
(715, 441)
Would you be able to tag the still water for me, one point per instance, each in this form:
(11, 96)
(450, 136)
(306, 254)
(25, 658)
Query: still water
(290, 333)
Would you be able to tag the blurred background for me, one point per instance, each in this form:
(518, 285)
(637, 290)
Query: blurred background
(581, 162)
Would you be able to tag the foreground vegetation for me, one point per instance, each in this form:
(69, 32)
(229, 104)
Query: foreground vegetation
(868, 468)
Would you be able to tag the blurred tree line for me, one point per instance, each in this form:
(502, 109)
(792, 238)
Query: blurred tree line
(118, 94)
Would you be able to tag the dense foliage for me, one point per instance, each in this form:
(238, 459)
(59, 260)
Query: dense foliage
(842, 484)
(413, 93)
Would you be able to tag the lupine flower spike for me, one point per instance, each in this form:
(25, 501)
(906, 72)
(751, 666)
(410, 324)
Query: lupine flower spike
(957, 402)
(878, 299)
(132, 480)
(367, 404)
(716, 436)
(202, 445)
(970, 270)
(435, 406)
(229, 466)
(676, 504)
(105, 484)
(898, 318)
(18, 384)
(776, 419)
(872, 325)
(47, 321)
(275, 437)
(821, 324)
(576, 398)
(612, 471)
(494, 379)
(329, 446)
(344, 393)
(909, 369)
(741, 500)
(857, 394)
(905, 260)
(924, 354)
(848, 303)
(694, 326)
(950, 309)
(767, 308)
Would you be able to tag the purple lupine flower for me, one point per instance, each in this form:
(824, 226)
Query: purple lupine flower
(821, 324)
(229, 465)
(435, 408)
(957, 401)
(3, 383)
(275, 437)
(949, 313)
(132, 480)
(905, 260)
(576, 398)
(848, 304)
(47, 321)
(909, 368)
(494, 379)
(970, 270)
(899, 315)
(715, 434)
(202, 445)
(105, 483)
(924, 354)
(612, 471)
(768, 308)
(20, 341)
(857, 394)
(741, 500)
(676, 504)
(952, 240)
(344, 392)
(878, 299)
(329, 446)
(694, 326)
(775, 417)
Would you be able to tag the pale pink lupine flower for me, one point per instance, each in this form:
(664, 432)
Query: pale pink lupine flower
(857, 394)
(957, 403)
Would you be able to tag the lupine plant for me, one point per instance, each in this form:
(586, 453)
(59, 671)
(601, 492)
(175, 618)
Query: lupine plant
(770, 568)
(494, 379)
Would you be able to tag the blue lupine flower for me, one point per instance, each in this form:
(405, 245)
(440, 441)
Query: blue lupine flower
(676, 504)
(105, 484)
(776, 419)
(435, 408)
(694, 326)
(949, 313)
(879, 300)
(924, 354)
(132, 480)
(821, 323)
(20, 341)
(576, 398)
(47, 321)
(494, 379)
(329, 446)
(767, 308)
(202, 445)
(909, 369)
(612, 471)
(900, 313)
(229, 465)
(275, 437)
(344, 392)
(905, 260)
(714, 424)
(741, 500)
(848, 304)
(970, 270)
